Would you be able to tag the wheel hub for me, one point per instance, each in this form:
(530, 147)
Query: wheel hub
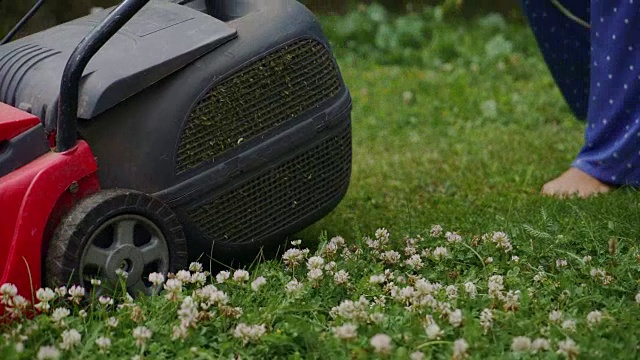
(130, 243)
(127, 258)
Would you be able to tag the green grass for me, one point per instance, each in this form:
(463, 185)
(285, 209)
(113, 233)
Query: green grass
(432, 157)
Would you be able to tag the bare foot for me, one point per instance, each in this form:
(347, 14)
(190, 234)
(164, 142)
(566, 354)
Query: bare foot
(575, 182)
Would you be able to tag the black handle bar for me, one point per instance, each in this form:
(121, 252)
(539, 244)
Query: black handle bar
(67, 127)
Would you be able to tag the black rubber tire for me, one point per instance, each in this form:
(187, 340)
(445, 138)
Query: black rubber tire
(72, 235)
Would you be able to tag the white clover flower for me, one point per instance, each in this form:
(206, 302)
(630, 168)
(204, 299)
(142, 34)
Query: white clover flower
(568, 348)
(174, 289)
(587, 259)
(315, 262)
(452, 292)
(388, 274)
(486, 319)
(198, 278)
(555, 316)
(293, 286)
(222, 276)
(341, 277)
(638, 298)
(539, 345)
(410, 250)
(417, 355)
(390, 257)
(76, 293)
(184, 276)
(61, 291)
(105, 300)
(179, 332)
(19, 347)
(515, 258)
(377, 279)
(453, 237)
(597, 273)
(188, 312)
(59, 315)
(405, 294)
(455, 318)
(45, 295)
(372, 244)
(195, 267)
(424, 287)
(338, 240)
(569, 325)
(70, 338)
(471, 289)
(19, 303)
(209, 296)
(502, 241)
(521, 344)
(296, 242)
(414, 262)
(249, 333)
(112, 322)
(48, 352)
(8, 291)
(436, 231)
(96, 282)
(561, 263)
(294, 257)
(380, 301)
(315, 274)
(488, 260)
(512, 300)
(258, 283)
(433, 331)
(330, 266)
(356, 311)
(345, 332)
(495, 286)
(381, 343)
(141, 334)
(594, 317)
(382, 235)
(440, 253)
(330, 249)
(103, 343)
(460, 348)
(156, 279)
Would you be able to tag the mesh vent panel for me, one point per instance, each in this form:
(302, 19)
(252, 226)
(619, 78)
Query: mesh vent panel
(280, 196)
(266, 94)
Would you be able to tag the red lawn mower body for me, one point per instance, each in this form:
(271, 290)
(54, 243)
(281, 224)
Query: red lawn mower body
(33, 198)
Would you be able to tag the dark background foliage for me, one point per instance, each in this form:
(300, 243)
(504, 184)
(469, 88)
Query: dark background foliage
(57, 11)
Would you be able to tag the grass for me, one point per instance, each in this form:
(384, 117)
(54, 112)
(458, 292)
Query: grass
(462, 141)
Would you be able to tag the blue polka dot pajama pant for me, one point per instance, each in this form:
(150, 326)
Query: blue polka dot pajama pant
(597, 69)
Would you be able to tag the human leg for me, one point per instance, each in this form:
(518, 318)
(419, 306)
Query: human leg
(611, 152)
(566, 47)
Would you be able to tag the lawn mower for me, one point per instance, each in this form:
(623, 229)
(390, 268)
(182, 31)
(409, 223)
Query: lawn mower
(144, 136)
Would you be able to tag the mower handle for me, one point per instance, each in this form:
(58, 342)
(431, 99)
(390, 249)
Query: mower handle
(67, 124)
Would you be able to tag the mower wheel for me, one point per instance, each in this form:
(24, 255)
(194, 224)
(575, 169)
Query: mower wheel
(116, 230)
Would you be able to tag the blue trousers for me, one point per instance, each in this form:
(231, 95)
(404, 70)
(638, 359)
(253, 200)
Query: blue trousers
(597, 69)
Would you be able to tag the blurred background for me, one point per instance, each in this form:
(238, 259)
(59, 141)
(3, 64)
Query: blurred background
(56, 11)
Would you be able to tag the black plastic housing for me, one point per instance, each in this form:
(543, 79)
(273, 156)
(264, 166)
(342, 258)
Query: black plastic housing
(159, 40)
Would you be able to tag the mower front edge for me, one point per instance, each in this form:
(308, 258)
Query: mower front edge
(30, 198)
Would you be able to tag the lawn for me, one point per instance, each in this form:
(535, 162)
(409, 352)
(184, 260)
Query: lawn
(459, 131)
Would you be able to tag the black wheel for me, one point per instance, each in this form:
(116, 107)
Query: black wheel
(116, 230)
